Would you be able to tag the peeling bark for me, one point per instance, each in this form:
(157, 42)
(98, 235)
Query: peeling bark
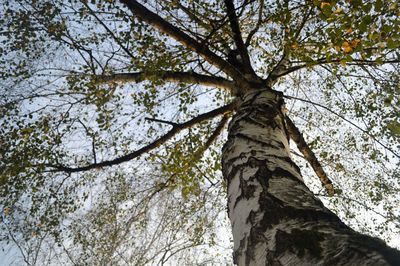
(276, 220)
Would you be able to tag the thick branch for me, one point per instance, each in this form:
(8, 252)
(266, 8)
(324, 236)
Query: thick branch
(309, 155)
(237, 36)
(179, 77)
(165, 27)
(175, 130)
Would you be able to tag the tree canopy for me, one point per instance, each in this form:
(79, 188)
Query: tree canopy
(113, 115)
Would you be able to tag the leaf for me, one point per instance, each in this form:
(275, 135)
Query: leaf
(347, 48)
(392, 44)
(394, 128)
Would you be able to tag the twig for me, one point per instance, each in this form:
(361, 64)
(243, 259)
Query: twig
(162, 121)
(348, 121)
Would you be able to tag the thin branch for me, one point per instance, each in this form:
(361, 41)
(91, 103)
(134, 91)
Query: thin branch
(93, 140)
(162, 121)
(348, 121)
(354, 62)
(309, 155)
(108, 30)
(302, 24)
(199, 152)
(175, 130)
(165, 27)
(258, 25)
(237, 36)
(193, 16)
(179, 77)
(213, 136)
(390, 219)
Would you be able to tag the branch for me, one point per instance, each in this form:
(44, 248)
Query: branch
(107, 29)
(354, 62)
(237, 36)
(175, 130)
(302, 24)
(280, 69)
(161, 121)
(309, 155)
(257, 27)
(348, 121)
(165, 27)
(390, 218)
(193, 16)
(213, 136)
(93, 140)
(179, 77)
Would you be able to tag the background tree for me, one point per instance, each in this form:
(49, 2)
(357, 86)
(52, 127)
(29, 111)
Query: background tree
(113, 115)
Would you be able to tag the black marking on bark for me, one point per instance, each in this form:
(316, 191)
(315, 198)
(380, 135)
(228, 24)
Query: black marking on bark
(285, 127)
(288, 160)
(256, 235)
(253, 98)
(247, 190)
(263, 174)
(251, 218)
(250, 120)
(253, 153)
(260, 142)
(280, 172)
(242, 245)
(276, 211)
(269, 110)
(229, 175)
(234, 128)
(390, 255)
(299, 242)
(272, 260)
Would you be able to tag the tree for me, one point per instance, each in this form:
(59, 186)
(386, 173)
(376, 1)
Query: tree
(83, 86)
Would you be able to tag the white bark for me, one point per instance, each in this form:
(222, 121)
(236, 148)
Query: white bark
(276, 220)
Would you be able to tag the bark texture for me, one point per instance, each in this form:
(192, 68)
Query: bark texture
(276, 219)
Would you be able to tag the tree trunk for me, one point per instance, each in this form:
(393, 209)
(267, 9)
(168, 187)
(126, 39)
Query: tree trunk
(276, 220)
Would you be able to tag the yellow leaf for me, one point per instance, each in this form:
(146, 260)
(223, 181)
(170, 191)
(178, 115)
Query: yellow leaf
(325, 4)
(294, 46)
(338, 10)
(355, 42)
(349, 30)
(342, 62)
(346, 47)
(337, 48)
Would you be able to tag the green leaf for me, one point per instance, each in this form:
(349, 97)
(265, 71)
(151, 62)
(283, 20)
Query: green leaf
(394, 127)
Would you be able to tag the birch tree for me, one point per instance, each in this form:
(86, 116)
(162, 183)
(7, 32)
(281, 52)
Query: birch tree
(115, 120)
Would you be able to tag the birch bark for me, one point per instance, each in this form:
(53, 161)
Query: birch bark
(275, 218)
